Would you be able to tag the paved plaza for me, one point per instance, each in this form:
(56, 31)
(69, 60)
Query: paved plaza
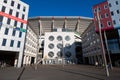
(58, 72)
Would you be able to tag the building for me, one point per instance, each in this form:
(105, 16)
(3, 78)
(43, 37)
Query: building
(109, 14)
(59, 47)
(31, 47)
(91, 46)
(44, 26)
(13, 25)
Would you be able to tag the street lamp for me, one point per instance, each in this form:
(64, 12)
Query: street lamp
(102, 45)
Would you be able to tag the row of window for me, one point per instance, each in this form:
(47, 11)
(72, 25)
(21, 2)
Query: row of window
(11, 43)
(117, 11)
(59, 38)
(116, 3)
(13, 5)
(59, 46)
(106, 6)
(11, 11)
(99, 9)
(9, 22)
(60, 54)
(13, 33)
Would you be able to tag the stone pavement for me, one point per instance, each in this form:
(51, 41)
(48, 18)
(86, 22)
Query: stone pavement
(58, 72)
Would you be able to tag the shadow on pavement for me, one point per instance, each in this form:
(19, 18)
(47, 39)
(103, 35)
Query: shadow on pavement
(21, 73)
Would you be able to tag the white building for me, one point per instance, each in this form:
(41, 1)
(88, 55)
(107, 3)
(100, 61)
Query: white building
(114, 6)
(31, 47)
(13, 25)
(59, 47)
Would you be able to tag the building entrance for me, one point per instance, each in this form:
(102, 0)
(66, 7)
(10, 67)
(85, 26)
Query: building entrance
(7, 58)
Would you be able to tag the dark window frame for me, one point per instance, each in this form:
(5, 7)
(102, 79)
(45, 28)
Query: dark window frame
(4, 42)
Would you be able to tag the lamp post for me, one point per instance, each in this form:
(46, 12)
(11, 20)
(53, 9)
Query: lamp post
(108, 50)
(102, 45)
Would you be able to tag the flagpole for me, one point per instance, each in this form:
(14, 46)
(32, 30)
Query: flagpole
(102, 45)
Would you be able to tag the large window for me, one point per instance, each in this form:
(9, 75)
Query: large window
(18, 7)
(112, 13)
(18, 45)
(116, 2)
(24, 8)
(15, 23)
(12, 3)
(17, 14)
(23, 16)
(118, 12)
(5, 1)
(1, 18)
(51, 38)
(4, 42)
(10, 12)
(8, 21)
(11, 43)
(14, 32)
(6, 31)
(20, 34)
(3, 8)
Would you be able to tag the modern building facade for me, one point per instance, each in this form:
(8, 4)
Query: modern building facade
(13, 25)
(91, 46)
(57, 26)
(31, 47)
(109, 14)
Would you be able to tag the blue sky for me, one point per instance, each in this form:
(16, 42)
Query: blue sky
(61, 7)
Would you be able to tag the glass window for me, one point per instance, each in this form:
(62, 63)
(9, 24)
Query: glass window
(12, 3)
(18, 45)
(59, 38)
(17, 14)
(15, 23)
(114, 22)
(11, 43)
(51, 46)
(10, 12)
(5, 1)
(1, 18)
(59, 46)
(4, 42)
(23, 16)
(105, 6)
(112, 13)
(8, 21)
(110, 5)
(51, 38)
(18, 7)
(109, 23)
(24, 8)
(3, 8)
(118, 11)
(21, 25)
(20, 34)
(116, 2)
(67, 38)
(6, 31)
(14, 32)
(99, 9)
(51, 54)
(106, 15)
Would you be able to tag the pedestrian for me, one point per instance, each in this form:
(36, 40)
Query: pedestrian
(96, 64)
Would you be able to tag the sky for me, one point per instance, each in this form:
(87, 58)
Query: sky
(61, 7)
